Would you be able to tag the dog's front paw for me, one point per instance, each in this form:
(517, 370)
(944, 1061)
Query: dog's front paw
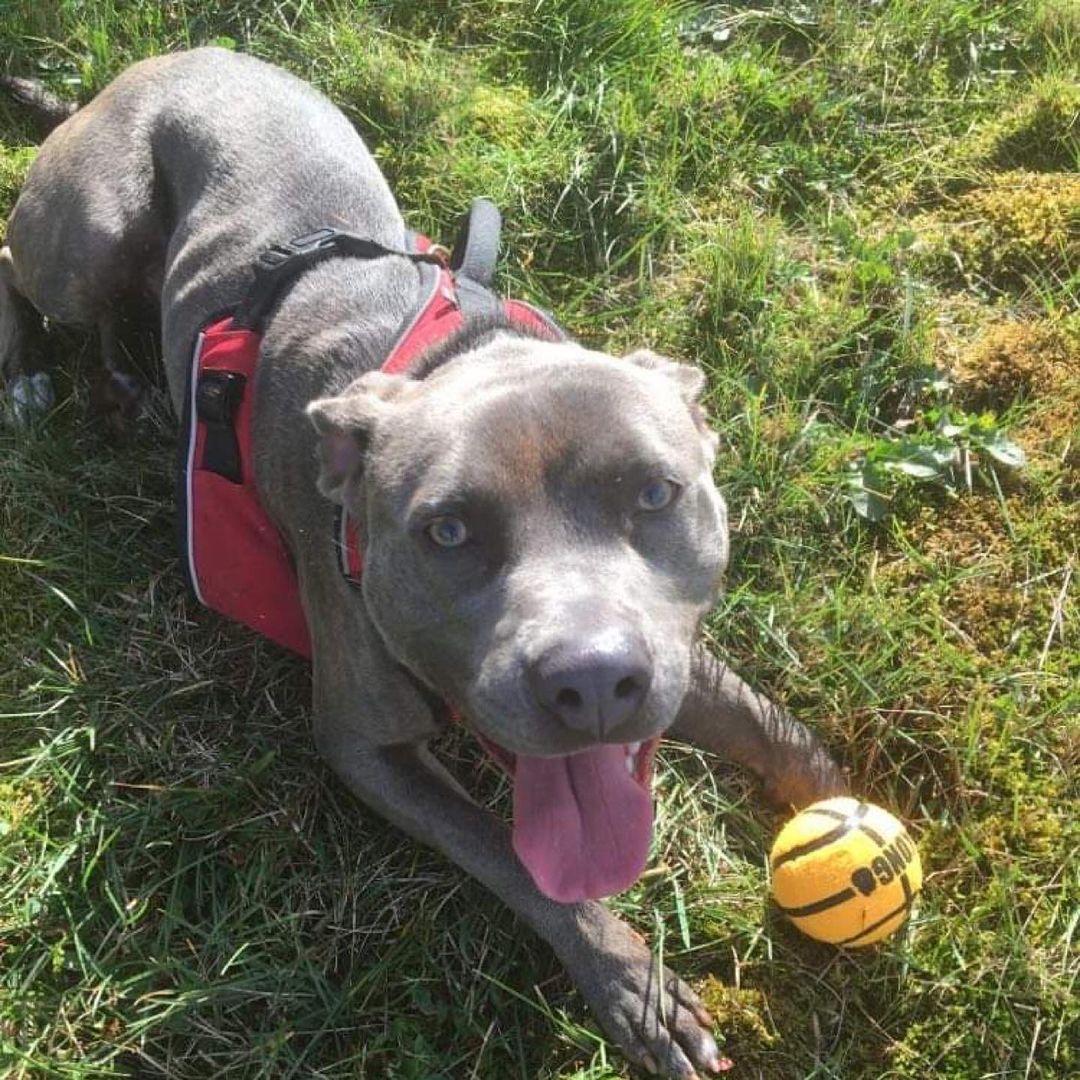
(656, 1019)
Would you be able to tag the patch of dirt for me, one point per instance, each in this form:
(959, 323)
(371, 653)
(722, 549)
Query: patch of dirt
(1034, 362)
(969, 532)
(1012, 359)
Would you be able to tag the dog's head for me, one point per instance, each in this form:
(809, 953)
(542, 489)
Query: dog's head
(541, 536)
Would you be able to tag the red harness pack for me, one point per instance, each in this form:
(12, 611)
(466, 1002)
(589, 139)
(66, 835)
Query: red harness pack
(582, 822)
(235, 559)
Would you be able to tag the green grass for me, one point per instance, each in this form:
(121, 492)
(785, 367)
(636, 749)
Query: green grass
(826, 205)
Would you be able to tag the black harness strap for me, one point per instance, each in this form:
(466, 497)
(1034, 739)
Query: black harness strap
(279, 266)
(217, 397)
(476, 253)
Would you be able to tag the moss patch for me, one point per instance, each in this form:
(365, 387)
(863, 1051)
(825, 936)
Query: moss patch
(1018, 225)
(1013, 360)
(993, 568)
(740, 1014)
(1040, 133)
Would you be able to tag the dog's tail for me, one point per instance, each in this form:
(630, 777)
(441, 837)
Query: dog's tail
(44, 107)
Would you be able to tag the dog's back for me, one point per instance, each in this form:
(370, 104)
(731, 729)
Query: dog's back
(177, 175)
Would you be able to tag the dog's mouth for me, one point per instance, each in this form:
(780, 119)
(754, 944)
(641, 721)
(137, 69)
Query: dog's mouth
(582, 822)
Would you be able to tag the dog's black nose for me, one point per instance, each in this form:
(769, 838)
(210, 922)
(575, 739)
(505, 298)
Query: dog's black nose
(596, 685)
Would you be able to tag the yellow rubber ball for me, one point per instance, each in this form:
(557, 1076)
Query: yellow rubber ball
(845, 872)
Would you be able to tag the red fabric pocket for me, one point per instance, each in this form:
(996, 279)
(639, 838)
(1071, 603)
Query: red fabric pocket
(240, 564)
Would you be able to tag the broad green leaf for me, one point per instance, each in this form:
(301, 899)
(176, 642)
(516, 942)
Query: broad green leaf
(868, 504)
(1004, 450)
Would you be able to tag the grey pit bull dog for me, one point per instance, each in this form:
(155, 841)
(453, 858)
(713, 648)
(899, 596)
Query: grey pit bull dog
(541, 533)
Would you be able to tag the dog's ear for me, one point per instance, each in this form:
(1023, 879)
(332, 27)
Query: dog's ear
(690, 383)
(346, 425)
(688, 380)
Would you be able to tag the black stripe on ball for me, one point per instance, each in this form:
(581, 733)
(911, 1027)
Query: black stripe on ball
(827, 811)
(818, 906)
(873, 834)
(836, 815)
(905, 906)
(849, 822)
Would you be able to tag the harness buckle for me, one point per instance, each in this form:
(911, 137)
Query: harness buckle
(440, 254)
(278, 254)
(218, 395)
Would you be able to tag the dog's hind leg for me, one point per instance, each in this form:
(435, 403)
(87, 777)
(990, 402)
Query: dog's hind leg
(87, 234)
(29, 390)
(116, 394)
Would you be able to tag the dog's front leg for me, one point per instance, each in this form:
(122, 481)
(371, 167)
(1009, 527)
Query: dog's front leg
(724, 716)
(655, 1018)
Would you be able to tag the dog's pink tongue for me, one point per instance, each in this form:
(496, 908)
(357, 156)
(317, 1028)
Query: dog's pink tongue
(582, 823)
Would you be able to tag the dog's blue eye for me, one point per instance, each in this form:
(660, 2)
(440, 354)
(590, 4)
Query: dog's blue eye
(657, 494)
(448, 531)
